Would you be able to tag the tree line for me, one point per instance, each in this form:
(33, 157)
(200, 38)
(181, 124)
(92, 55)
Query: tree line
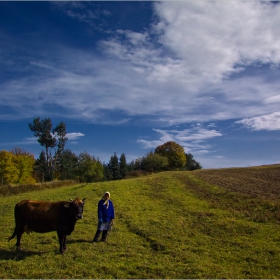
(57, 162)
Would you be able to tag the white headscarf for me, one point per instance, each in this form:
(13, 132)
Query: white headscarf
(106, 200)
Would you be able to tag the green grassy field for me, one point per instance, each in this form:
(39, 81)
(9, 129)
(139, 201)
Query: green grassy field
(168, 225)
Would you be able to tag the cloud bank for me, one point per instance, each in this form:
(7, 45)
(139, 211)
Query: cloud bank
(197, 61)
(267, 122)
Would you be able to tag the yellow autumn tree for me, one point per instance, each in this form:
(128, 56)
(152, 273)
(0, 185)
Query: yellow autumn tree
(24, 163)
(8, 169)
(16, 167)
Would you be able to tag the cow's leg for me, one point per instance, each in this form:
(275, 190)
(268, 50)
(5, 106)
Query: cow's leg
(61, 241)
(64, 242)
(20, 232)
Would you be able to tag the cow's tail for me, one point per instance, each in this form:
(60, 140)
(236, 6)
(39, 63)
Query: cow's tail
(16, 227)
(14, 234)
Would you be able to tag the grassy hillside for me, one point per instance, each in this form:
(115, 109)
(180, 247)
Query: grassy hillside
(203, 224)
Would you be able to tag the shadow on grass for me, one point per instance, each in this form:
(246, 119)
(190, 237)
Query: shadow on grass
(68, 241)
(21, 255)
(17, 256)
(73, 241)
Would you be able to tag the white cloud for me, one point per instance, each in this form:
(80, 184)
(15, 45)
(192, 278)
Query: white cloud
(273, 99)
(25, 141)
(212, 38)
(74, 135)
(203, 152)
(193, 139)
(265, 122)
(135, 38)
(186, 68)
(83, 11)
(203, 44)
(30, 140)
(33, 140)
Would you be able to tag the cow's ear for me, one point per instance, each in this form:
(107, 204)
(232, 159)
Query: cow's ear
(84, 200)
(67, 205)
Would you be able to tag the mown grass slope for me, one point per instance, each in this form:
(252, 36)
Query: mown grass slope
(201, 224)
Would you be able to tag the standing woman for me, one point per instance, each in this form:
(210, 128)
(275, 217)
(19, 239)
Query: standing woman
(106, 216)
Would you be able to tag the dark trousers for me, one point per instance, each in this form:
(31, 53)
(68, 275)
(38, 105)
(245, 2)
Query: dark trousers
(97, 234)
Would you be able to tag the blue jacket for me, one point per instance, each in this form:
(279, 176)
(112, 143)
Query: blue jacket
(106, 214)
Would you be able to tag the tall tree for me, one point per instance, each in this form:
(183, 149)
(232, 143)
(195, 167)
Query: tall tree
(68, 165)
(43, 130)
(192, 164)
(131, 166)
(106, 172)
(50, 138)
(89, 168)
(175, 154)
(41, 167)
(138, 163)
(123, 166)
(154, 162)
(59, 133)
(114, 167)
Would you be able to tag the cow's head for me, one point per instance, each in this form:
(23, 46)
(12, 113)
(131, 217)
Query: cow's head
(77, 205)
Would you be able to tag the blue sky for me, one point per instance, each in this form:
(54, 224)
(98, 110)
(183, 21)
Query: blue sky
(126, 77)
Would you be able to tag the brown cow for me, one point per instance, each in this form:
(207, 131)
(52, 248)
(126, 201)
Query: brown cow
(44, 216)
